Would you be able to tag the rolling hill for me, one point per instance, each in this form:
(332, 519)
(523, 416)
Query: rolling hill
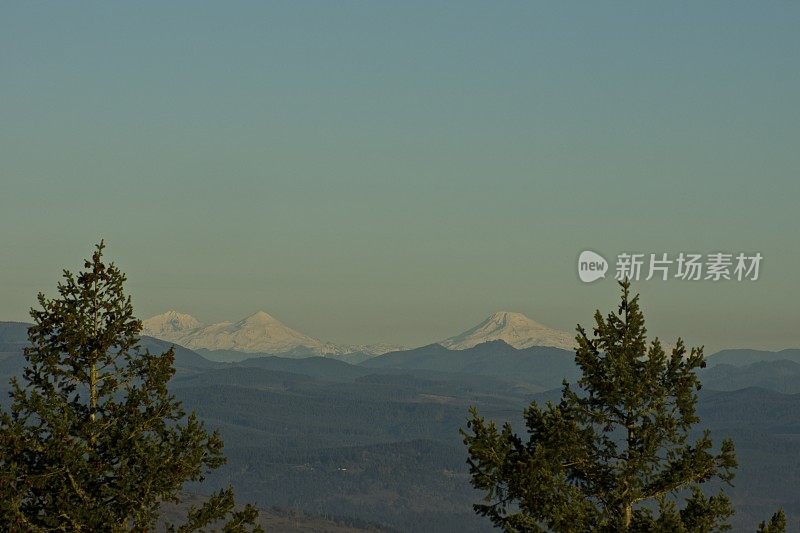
(543, 366)
(742, 357)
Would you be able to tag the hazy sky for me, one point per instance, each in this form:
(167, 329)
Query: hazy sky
(396, 171)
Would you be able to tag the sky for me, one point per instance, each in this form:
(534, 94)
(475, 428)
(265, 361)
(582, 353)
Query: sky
(396, 171)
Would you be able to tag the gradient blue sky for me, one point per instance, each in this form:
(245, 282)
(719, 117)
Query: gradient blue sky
(396, 171)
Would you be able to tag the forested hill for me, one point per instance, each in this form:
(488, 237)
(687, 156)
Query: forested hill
(540, 366)
(378, 443)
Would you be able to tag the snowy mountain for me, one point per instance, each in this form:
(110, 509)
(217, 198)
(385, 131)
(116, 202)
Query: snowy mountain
(170, 326)
(515, 329)
(258, 333)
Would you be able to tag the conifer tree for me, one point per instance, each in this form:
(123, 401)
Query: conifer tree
(613, 453)
(776, 524)
(94, 441)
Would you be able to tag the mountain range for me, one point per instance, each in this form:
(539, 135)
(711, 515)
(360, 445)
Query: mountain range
(261, 333)
(377, 443)
(258, 333)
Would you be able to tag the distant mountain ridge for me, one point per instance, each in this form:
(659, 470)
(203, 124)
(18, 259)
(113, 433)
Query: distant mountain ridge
(261, 333)
(743, 357)
(515, 329)
(258, 333)
(13, 336)
(782, 375)
(545, 366)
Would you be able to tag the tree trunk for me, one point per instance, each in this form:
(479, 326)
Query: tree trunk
(93, 392)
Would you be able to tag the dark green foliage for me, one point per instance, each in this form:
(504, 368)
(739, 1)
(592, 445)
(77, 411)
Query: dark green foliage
(94, 441)
(603, 456)
(776, 524)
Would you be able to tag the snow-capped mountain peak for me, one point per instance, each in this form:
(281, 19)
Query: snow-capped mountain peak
(513, 328)
(259, 317)
(170, 326)
(259, 332)
(511, 318)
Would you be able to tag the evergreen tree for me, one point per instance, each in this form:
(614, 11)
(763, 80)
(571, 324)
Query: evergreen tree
(776, 524)
(612, 454)
(94, 440)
